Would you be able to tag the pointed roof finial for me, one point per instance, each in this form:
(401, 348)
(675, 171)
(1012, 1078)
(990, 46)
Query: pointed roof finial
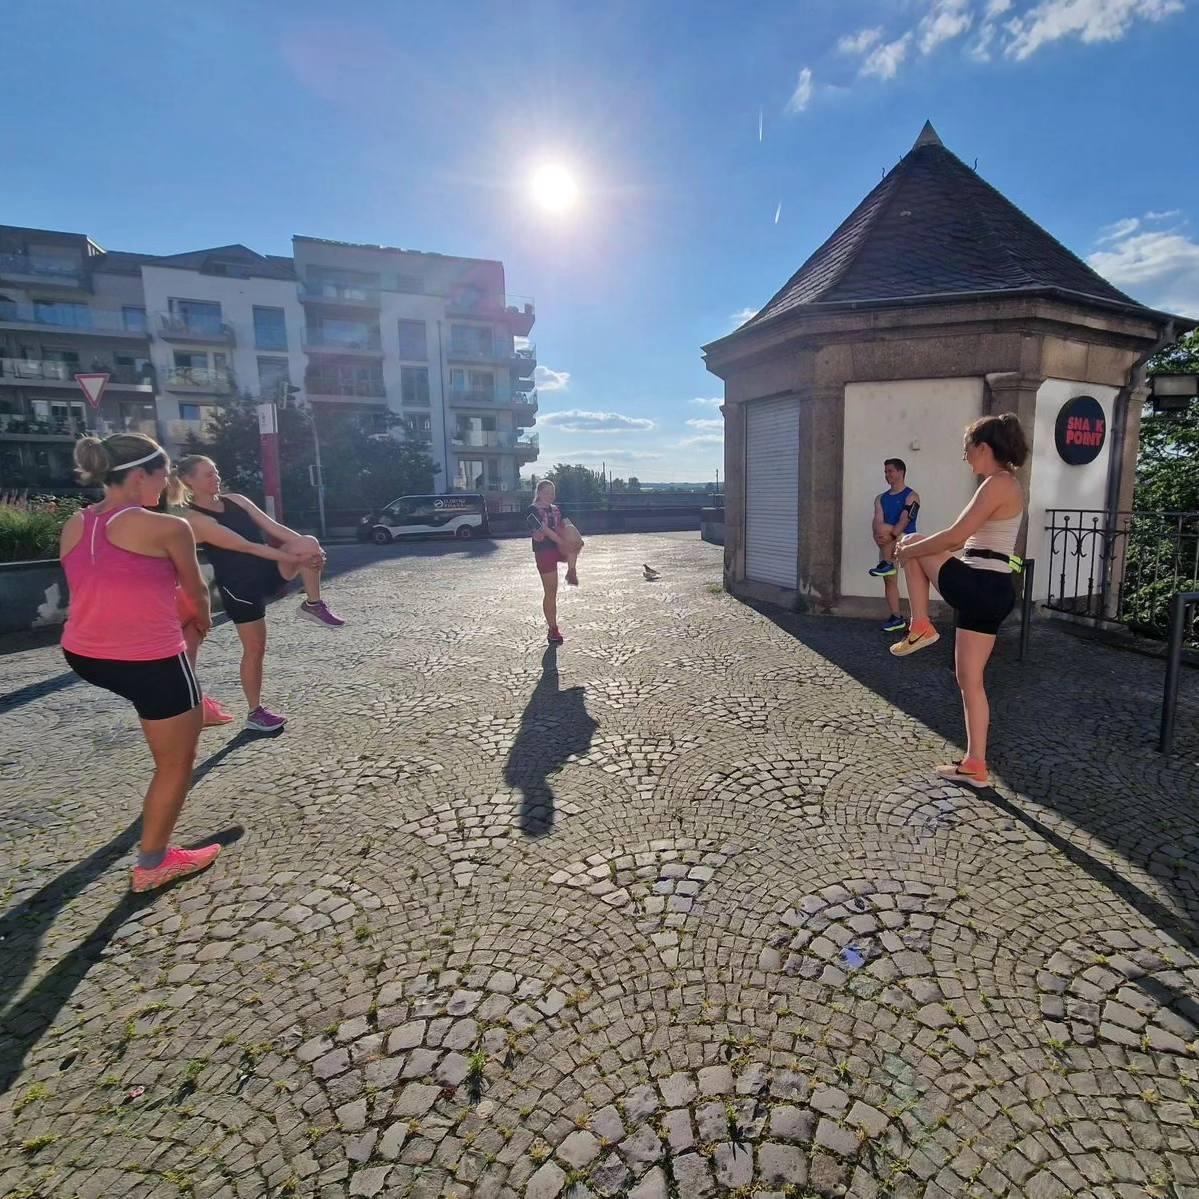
(928, 137)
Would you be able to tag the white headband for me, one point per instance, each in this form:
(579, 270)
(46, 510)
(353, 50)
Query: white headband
(158, 453)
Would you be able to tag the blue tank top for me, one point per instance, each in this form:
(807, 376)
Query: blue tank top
(893, 508)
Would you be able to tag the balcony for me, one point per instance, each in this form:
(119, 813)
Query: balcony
(528, 447)
(472, 397)
(502, 440)
(524, 361)
(15, 426)
(324, 341)
(341, 295)
(213, 380)
(68, 318)
(524, 410)
(194, 329)
(38, 268)
(62, 374)
(518, 311)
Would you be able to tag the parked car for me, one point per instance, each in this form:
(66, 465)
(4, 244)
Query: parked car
(460, 515)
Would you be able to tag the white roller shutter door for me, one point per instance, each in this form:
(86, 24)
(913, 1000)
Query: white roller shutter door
(772, 491)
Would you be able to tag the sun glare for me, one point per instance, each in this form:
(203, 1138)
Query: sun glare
(554, 188)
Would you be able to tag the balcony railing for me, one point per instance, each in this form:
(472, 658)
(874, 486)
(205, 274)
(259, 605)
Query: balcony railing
(473, 396)
(179, 431)
(325, 292)
(468, 303)
(199, 378)
(68, 317)
(39, 369)
(65, 429)
(326, 342)
(45, 268)
(369, 389)
(194, 328)
(489, 439)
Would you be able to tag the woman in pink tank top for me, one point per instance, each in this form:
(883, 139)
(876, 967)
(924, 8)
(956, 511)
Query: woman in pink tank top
(123, 565)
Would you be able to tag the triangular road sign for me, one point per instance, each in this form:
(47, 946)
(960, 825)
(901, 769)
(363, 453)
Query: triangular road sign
(93, 387)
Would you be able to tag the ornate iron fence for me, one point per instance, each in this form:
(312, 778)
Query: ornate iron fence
(1122, 568)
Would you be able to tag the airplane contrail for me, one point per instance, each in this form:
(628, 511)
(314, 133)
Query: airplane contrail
(760, 125)
(778, 212)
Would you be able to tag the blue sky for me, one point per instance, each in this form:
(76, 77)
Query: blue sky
(163, 127)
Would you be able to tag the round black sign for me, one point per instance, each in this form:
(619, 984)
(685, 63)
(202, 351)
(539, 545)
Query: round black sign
(1080, 431)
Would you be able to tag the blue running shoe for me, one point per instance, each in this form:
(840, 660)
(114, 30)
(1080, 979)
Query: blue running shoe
(884, 570)
(895, 624)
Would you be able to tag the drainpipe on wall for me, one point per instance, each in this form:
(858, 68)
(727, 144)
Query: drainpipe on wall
(445, 416)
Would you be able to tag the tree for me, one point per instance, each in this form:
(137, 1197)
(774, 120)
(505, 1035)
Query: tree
(577, 484)
(634, 483)
(1168, 458)
(364, 467)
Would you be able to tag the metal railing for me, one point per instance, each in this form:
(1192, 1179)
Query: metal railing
(199, 378)
(182, 328)
(319, 339)
(1180, 616)
(65, 372)
(16, 423)
(67, 316)
(371, 389)
(41, 267)
(470, 303)
(1121, 568)
(339, 293)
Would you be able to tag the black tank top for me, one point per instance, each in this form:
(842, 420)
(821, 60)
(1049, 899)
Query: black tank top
(229, 566)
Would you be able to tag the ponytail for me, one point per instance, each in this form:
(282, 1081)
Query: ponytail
(101, 462)
(178, 492)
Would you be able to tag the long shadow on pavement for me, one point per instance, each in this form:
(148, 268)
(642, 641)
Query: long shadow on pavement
(24, 1023)
(554, 726)
(1069, 731)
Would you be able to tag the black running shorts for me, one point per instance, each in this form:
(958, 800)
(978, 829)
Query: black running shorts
(158, 689)
(980, 598)
(245, 595)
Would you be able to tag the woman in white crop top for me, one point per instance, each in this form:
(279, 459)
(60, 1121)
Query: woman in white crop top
(970, 564)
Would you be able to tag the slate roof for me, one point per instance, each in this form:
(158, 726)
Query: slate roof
(934, 228)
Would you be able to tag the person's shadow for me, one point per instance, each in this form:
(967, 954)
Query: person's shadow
(554, 726)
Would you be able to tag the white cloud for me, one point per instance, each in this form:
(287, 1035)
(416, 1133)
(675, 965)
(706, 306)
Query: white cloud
(714, 402)
(702, 439)
(1163, 216)
(1159, 267)
(996, 8)
(742, 315)
(1119, 230)
(946, 20)
(802, 96)
(575, 421)
(1088, 20)
(883, 62)
(860, 42)
(706, 424)
(551, 380)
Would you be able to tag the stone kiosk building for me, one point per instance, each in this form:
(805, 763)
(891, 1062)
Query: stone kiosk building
(936, 301)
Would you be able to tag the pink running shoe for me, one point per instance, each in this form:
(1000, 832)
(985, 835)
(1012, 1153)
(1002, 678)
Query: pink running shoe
(178, 863)
(214, 714)
(321, 613)
(263, 720)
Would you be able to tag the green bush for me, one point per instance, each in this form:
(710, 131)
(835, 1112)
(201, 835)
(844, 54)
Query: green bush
(31, 529)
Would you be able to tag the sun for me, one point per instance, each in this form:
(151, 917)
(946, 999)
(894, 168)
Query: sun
(554, 188)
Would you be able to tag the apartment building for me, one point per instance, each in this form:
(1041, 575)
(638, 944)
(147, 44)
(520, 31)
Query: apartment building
(360, 330)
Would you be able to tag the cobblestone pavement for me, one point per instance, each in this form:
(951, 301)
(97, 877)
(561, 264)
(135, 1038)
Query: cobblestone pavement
(674, 911)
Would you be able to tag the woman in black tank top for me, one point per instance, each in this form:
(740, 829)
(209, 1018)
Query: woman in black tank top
(248, 569)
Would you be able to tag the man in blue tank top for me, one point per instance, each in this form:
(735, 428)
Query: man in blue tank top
(894, 516)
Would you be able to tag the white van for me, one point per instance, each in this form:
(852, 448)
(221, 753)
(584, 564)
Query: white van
(460, 515)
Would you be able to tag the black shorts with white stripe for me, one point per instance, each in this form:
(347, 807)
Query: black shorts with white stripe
(158, 689)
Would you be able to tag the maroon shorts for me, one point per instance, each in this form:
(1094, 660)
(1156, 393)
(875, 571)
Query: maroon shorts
(547, 560)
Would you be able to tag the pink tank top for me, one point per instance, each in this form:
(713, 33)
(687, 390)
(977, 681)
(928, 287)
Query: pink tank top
(122, 604)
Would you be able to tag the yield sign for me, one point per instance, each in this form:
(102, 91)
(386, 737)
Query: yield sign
(93, 387)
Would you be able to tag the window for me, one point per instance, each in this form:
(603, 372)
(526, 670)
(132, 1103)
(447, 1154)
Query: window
(414, 386)
(457, 379)
(418, 427)
(493, 474)
(57, 312)
(412, 340)
(138, 417)
(354, 335)
(196, 316)
(135, 319)
(473, 340)
(187, 360)
(482, 383)
(69, 358)
(273, 377)
(408, 283)
(346, 379)
(270, 329)
(468, 475)
(191, 412)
